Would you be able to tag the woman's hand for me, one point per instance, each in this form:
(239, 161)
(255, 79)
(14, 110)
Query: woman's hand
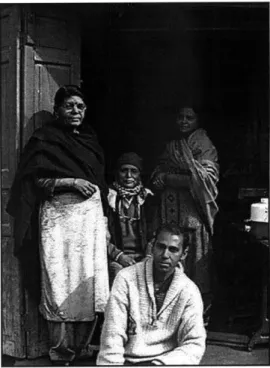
(159, 181)
(125, 260)
(84, 187)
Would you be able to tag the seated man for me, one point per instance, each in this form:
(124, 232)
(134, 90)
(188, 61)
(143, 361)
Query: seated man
(155, 312)
(127, 215)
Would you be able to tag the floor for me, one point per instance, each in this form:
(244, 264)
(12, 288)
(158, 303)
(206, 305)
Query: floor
(214, 355)
(222, 355)
(227, 336)
(226, 343)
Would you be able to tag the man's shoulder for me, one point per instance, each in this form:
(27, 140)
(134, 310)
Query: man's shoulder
(131, 271)
(133, 274)
(127, 279)
(187, 285)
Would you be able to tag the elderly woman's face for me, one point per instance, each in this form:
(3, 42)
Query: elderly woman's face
(72, 111)
(187, 120)
(129, 176)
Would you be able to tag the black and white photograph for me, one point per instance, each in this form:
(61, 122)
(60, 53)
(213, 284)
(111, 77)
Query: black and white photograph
(134, 183)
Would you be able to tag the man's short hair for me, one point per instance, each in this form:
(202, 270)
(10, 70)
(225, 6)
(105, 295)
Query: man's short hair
(174, 229)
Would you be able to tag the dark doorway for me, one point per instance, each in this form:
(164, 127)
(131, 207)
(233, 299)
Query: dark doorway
(141, 62)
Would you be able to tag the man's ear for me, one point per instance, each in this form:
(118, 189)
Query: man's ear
(184, 254)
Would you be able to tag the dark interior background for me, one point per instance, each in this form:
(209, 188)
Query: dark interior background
(142, 62)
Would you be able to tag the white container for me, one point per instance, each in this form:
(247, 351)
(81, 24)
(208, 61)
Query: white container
(259, 219)
(259, 211)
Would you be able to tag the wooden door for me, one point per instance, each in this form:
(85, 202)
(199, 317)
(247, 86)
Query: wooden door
(51, 57)
(48, 46)
(13, 335)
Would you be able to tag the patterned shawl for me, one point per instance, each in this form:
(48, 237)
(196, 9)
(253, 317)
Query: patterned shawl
(125, 196)
(196, 156)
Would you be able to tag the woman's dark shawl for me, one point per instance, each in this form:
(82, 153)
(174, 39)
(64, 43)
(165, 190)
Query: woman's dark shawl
(51, 152)
(197, 156)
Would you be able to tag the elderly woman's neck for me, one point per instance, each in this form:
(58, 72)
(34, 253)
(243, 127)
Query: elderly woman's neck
(76, 131)
(187, 134)
(69, 128)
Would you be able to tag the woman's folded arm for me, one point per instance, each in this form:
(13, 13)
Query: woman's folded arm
(177, 180)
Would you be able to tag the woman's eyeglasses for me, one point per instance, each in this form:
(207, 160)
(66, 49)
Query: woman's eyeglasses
(70, 106)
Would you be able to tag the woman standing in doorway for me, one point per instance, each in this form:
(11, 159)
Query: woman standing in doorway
(56, 199)
(186, 178)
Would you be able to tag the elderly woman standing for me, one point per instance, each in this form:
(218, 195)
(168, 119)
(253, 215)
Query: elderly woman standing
(56, 199)
(186, 177)
(128, 215)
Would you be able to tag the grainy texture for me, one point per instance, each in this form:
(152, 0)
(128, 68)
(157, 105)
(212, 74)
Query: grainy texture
(34, 63)
(133, 329)
(51, 59)
(73, 254)
(13, 337)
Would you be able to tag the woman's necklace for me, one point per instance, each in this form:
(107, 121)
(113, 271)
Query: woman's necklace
(75, 131)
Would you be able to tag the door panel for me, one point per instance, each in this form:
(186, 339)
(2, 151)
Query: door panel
(45, 86)
(13, 334)
(51, 59)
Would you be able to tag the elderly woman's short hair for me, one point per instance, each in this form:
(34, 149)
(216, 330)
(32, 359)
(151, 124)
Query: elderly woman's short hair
(65, 92)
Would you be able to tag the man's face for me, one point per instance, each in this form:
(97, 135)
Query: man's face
(167, 252)
(129, 176)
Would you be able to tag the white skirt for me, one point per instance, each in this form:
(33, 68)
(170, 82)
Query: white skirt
(73, 256)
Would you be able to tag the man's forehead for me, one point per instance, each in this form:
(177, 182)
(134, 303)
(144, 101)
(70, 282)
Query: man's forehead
(169, 238)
